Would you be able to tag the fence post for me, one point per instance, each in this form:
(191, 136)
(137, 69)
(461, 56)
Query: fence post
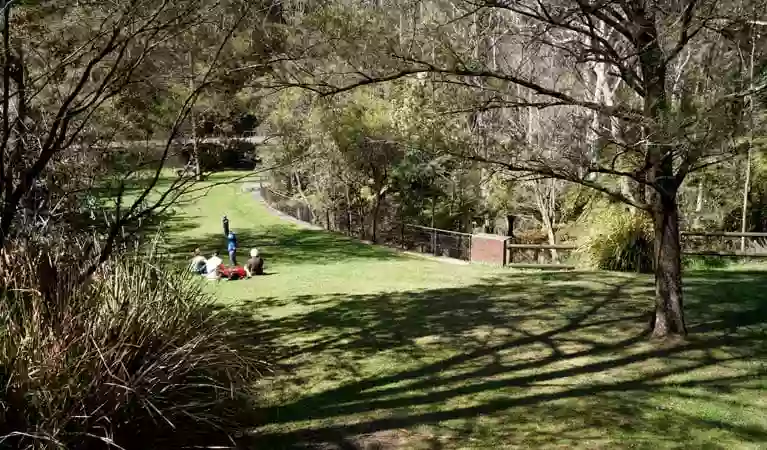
(433, 231)
(505, 253)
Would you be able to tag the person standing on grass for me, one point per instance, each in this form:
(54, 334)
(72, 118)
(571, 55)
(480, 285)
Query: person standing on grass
(225, 223)
(231, 246)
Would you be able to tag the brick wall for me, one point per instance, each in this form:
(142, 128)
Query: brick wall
(489, 249)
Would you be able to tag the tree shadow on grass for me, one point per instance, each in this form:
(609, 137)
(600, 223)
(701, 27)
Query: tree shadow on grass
(287, 245)
(522, 361)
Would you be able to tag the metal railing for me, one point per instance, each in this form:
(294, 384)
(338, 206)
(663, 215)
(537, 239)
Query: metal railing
(287, 205)
(436, 241)
(410, 237)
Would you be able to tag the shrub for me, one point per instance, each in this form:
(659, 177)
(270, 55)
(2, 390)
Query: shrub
(233, 155)
(137, 358)
(705, 262)
(619, 241)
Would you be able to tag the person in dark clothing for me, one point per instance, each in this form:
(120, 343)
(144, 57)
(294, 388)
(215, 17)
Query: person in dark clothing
(225, 223)
(255, 265)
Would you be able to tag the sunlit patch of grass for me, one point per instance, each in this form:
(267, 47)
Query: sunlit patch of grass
(378, 347)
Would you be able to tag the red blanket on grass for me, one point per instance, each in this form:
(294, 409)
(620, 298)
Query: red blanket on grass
(232, 273)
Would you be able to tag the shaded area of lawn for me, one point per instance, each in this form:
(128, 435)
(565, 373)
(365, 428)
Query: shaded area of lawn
(374, 349)
(286, 244)
(546, 361)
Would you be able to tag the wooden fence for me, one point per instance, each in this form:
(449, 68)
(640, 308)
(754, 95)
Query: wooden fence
(725, 244)
(694, 243)
(457, 245)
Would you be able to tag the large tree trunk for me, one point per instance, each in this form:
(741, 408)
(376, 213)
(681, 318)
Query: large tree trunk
(668, 319)
(305, 200)
(545, 199)
(348, 210)
(698, 205)
(669, 313)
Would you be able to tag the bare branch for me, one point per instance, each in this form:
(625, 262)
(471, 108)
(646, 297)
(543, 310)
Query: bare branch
(551, 173)
(426, 67)
(686, 35)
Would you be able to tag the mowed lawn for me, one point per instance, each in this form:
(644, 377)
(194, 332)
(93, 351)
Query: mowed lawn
(373, 349)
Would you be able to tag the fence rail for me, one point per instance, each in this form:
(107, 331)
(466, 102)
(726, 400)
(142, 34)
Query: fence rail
(436, 241)
(539, 256)
(733, 234)
(725, 244)
(536, 255)
(737, 253)
(455, 244)
(543, 246)
(418, 238)
(287, 205)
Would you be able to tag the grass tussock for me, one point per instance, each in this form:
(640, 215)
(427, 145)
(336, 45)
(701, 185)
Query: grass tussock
(138, 357)
(619, 241)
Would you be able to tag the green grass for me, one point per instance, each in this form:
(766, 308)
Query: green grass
(376, 349)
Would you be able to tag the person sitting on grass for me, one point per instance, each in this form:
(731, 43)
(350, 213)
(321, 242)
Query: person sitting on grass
(255, 265)
(212, 266)
(198, 263)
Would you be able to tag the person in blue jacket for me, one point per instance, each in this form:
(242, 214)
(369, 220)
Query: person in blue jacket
(231, 246)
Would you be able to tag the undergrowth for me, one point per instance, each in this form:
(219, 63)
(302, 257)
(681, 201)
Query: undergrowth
(138, 357)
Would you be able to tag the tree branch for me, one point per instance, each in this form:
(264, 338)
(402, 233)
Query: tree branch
(612, 111)
(685, 35)
(548, 172)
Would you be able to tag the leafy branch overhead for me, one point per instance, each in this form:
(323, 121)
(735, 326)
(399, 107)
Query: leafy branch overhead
(643, 92)
(81, 77)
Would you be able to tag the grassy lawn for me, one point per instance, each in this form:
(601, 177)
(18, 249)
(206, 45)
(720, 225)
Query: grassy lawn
(375, 349)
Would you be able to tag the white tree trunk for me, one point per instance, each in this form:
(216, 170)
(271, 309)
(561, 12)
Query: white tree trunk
(747, 182)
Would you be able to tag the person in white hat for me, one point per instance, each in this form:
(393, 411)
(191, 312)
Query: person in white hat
(255, 265)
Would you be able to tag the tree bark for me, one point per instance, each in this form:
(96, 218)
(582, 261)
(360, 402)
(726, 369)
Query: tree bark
(193, 121)
(746, 191)
(376, 213)
(669, 313)
(698, 205)
(304, 199)
(510, 225)
(348, 210)
(545, 200)
(668, 319)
